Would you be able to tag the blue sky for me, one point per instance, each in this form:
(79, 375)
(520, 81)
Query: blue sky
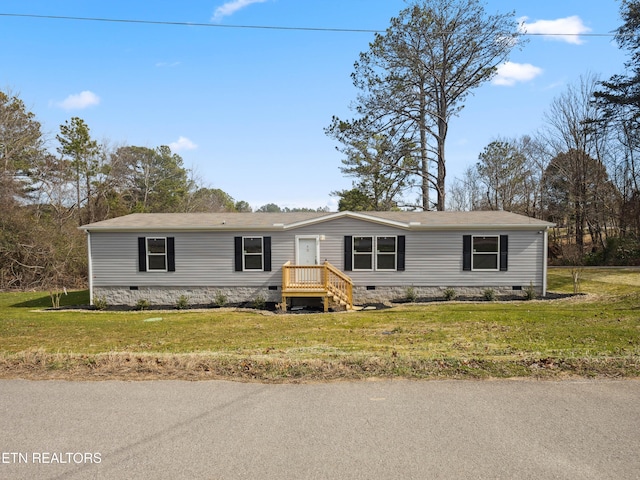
(246, 108)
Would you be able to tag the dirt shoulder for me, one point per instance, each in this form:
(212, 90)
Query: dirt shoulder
(275, 369)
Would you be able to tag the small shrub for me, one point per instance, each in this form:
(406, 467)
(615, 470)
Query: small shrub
(183, 302)
(143, 304)
(220, 299)
(489, 294)
(100, 303)
(450, 294)
(55, 298)
(530, 292)
(576, 277)
(411, 294)
(259, 303)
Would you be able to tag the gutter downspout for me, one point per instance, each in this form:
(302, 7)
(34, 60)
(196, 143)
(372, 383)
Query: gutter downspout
(90, 265)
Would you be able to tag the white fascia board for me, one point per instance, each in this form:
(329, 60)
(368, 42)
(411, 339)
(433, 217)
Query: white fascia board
(169, 228)
(483, 226)
(356, 215)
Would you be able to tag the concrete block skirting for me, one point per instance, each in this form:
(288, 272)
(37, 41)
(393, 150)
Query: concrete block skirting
(169, 296)
(390, 294)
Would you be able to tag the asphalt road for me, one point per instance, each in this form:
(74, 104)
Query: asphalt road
(364, 430)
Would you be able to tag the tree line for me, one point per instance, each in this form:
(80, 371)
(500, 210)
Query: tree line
(580, 171)
(45, 195)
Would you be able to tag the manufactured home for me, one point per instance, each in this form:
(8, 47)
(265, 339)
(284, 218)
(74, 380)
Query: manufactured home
(342, 258)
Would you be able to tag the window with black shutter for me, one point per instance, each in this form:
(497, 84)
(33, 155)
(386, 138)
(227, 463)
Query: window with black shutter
(485, 252)
(156, 254)
(252, 254)
(377, 253)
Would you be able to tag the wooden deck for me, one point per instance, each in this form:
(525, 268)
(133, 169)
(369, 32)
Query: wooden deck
(324, 281)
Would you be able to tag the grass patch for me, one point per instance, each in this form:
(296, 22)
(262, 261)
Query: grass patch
(596, 334)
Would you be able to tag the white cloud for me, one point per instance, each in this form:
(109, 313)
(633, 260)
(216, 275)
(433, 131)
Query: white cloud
(79, 101)
(566, 29)
(232, 7)
(182, 144)
(510, 73)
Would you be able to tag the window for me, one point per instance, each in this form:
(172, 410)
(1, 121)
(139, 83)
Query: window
(379, 253)
(486, 251)
(252, 253)
(363, 253)
(156, 254)
(490, 252)
(386, 253)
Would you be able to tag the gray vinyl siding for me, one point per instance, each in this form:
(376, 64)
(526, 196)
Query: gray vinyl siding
(206, 258)
(201, 258)
(434, 258)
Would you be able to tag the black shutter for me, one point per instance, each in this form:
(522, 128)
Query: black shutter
(504, 252)
(466, 252)
(171, 254)
(401, 250)
(266, 246)
(237, 241)
(142, 254)
(348, 250)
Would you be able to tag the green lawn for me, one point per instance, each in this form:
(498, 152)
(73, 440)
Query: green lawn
(593, 334)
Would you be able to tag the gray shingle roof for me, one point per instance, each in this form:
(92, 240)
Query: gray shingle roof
(280, 221)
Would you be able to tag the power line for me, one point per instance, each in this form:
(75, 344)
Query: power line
(186, 24)
(255, 27)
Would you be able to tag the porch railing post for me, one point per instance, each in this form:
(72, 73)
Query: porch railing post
(298, 279)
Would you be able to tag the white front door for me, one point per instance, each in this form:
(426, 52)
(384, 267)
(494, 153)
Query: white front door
(307, 251)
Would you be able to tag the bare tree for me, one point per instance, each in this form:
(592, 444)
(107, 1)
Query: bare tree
(579, 144)
(416, 76)
(465, 193)
(507, 177)
(570, 121)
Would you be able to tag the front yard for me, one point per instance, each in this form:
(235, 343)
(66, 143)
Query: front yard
(594, 334)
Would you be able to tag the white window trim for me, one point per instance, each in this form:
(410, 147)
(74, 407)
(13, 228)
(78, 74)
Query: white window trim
(149, 254)
(261, 254)
(496, 253)
(353, 253)
(374, 254)
(395, 253)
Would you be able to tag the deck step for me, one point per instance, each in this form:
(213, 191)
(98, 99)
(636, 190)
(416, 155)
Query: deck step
(324, 281)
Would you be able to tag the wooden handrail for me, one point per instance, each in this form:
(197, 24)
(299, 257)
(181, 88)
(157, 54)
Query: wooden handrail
(338, 283)
(317, 278)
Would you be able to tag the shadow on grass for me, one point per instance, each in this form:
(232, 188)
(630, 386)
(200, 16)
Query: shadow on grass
(72, 298)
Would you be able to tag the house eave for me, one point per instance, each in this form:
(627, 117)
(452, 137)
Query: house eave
(231, 223)
(481, 226)
(181, 228)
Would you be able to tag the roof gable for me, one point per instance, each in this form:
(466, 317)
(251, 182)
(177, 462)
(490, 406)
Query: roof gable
(364, 216)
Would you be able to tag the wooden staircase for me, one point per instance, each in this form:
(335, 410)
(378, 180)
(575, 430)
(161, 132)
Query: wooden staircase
(324, 281)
